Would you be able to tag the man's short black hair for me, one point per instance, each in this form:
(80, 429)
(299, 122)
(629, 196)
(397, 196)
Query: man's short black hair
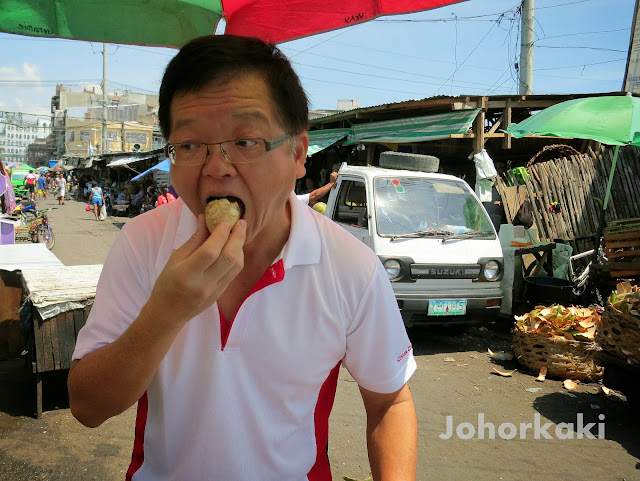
(222, 57)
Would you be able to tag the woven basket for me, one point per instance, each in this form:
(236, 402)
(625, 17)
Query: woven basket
(619, 334)
(564, 359)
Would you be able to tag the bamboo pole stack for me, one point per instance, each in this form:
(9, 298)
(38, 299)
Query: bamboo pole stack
(579, 183)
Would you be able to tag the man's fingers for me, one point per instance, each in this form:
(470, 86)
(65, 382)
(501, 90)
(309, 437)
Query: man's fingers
(195, 241)
(230, 259)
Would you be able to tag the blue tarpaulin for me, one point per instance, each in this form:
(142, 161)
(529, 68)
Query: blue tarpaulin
(164, 166)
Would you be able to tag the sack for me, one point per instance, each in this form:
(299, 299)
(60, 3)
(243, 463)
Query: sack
(524, 216)
(103, 213)
(87, 208)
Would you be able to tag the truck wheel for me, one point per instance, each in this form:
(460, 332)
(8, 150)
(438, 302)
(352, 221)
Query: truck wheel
(406, 161)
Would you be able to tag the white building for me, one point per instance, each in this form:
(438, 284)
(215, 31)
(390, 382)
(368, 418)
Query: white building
(17, 131)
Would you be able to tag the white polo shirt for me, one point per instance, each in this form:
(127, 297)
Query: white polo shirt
(256, 405)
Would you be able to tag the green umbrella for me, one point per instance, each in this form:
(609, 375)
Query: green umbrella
(611, 120)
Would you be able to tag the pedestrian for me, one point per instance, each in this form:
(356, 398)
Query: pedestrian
(42, 187)
(30, 180)
(232, 341)
(165, 197)
(96, 199)
(62, 188)
(314, 195)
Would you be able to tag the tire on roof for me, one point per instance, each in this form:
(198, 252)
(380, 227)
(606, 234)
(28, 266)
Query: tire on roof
(406, 161)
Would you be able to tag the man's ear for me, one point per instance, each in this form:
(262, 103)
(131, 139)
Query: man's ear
(300, 153)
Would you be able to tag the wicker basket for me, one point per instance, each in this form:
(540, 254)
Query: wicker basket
(619, 334)
(564, 359)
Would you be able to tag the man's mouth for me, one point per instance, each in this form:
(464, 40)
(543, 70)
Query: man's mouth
(230, 198)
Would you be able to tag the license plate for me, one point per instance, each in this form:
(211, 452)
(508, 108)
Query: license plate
(447, 308)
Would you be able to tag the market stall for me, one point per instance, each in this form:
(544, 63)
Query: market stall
(58, 302)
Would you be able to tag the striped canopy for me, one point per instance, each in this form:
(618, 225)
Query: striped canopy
(414, 129)
(321, 139)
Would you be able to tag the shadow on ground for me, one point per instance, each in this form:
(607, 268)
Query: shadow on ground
(621, 423)
(494, 335)
(18, 389)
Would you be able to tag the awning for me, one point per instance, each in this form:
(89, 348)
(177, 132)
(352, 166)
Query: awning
(128, 160)
(321, 139)
(164, 165)
(414, 129)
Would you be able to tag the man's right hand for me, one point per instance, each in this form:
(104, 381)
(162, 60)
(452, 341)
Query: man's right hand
(198, 272)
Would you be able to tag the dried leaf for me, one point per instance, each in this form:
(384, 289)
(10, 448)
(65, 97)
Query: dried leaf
(503, 373)
(542, 374)
(604, 390)
(570, 385)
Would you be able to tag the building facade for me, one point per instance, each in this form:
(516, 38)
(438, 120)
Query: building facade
(18, 131)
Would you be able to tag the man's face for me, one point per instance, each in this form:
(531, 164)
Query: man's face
(238, 109)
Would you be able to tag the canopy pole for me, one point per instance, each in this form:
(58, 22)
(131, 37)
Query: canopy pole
(613, 170)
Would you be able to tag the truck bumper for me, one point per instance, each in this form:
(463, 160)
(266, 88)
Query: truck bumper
(481, 305)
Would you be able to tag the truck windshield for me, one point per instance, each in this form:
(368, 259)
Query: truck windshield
(408, 205)
(18, 177)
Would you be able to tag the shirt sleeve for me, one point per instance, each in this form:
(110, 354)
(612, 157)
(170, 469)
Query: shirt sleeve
(304, 198)
(123, 289)
(379, 354)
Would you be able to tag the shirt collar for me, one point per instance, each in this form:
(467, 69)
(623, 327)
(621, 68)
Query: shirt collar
(302, 247)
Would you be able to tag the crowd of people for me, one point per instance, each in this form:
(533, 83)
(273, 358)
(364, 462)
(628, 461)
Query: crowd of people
(42, 184)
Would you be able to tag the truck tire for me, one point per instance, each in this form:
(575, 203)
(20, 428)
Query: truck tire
(405, 161)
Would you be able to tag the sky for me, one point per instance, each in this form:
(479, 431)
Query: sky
(469, 48)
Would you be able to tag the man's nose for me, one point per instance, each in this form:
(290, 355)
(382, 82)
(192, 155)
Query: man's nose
(215, 162)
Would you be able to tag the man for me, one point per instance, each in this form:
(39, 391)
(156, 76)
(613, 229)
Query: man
(42, 187)
(62, 188)
(30, 180)
(312, 197)
(231, 342)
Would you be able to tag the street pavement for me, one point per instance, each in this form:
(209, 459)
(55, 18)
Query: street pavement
(454, 383)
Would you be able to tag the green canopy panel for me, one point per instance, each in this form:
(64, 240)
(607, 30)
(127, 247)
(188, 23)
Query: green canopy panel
(170, 24)
(414, 129)
(321, 139)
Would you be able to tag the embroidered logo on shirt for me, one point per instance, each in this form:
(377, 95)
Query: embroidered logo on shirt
(407, 351)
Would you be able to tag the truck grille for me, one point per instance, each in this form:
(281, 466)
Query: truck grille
(434, 271)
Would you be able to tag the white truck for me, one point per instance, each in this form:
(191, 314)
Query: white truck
(431, 233)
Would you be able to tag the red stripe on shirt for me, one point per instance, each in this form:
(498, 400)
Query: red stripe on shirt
(273, 274)
(321, 470)
(137, 457)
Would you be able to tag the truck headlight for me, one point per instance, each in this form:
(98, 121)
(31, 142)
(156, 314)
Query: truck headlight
(393, 268)
(491, 270)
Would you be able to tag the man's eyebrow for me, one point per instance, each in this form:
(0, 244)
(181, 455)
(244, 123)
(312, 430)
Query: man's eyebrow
(252, 116)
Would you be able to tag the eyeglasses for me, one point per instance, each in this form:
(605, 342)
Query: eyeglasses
(238, 151)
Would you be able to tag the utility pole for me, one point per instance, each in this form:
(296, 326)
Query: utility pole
(105, 143)
(526, 49)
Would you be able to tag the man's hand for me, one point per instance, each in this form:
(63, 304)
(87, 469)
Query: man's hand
(333, 178)
(198, 273)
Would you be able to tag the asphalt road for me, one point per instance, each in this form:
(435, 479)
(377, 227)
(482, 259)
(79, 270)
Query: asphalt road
(454, 381)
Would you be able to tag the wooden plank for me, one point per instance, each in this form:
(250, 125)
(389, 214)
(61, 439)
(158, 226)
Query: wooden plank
(55, 346)
(38, 338)
(47, 346)
(506, 143)
(622, 237)
(66, 338)
(612, 245)
(478, 127)
(78, 321)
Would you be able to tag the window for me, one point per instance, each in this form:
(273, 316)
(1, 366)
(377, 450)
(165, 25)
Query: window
(85, 136)
(351, 206)
(71, 136)
(136, 138)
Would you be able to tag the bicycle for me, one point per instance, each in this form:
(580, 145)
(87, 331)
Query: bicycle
(43, 229)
